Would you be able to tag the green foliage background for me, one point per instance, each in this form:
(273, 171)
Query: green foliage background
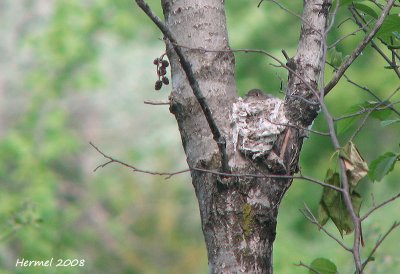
(79, 71)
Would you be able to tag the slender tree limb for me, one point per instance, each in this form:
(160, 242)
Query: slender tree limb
(156, 103)
(281, 6)
(370, 92)
(308, 267)
(310, 216)
(392, 63)
(345, 187)
(300, 128)
(168, 175)
(372, 210)
(281, 64)
(346, 190)
(364, 110)
(362, 124)
(378, 243)
(342, 69)
(286, 9)
(186, 66)
(344, 37)
(133, 168)
(333, 16)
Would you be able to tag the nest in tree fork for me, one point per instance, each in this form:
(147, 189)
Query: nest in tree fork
(257, 122)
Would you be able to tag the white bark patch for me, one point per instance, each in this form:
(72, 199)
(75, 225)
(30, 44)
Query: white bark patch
(255, 198)
(257, 122)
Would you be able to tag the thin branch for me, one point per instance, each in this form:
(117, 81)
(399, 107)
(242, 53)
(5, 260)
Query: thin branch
(369, 113)
(310, 216)
(186, 66)
(333, 16)
(170, 174)
(299, 127)
(303, 177)
(134, 169)
(370, 92)
(344, 21)
(366, 215)
(345, 187)
(302, 98)
(288, 10)
(346, 190)
(308, 267)
(364, 110)
(270, 56)
(344, 37)
(156, 103)
(378, 243)
(342, 69)
(392, 63)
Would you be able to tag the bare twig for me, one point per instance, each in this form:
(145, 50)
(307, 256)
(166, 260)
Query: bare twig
(156, 103)
(369, 113)
(370, 92)
(378, 243)
(379, 206)
(134, 169)
(362, 111)
(270, 56)
(318, 182)
(310, 216)
(186, 66)
(333, 16)
(299, 127)
(170, 174)
(344, 21)
(342, 69)
(345, 186)
(346, 190)
(344, 37)
(308, 267)
(288, 10)
(392, 63)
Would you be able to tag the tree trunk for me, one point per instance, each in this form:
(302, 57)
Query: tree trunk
(238, 213)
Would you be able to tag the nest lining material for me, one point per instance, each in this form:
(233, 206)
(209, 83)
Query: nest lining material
(257, 124)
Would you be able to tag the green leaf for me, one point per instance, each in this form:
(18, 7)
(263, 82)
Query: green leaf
(323, 266)
(391, 24)
(323, 214)
(333, 206)
(345, 124)
(367, 8)
(382, 165)
(386, 123)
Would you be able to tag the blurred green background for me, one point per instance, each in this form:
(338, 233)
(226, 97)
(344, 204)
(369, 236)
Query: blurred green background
(77, 71)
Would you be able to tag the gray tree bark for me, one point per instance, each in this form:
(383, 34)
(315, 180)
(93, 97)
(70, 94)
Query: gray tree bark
(239, 213)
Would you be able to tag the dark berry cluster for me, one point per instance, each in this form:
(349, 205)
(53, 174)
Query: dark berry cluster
(161, 72)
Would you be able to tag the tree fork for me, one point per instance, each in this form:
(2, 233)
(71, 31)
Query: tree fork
(238, 214)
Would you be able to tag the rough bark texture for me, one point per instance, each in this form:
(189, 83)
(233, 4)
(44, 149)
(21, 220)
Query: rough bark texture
(238, 213)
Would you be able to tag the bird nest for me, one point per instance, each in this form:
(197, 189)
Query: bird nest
(257, 123)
